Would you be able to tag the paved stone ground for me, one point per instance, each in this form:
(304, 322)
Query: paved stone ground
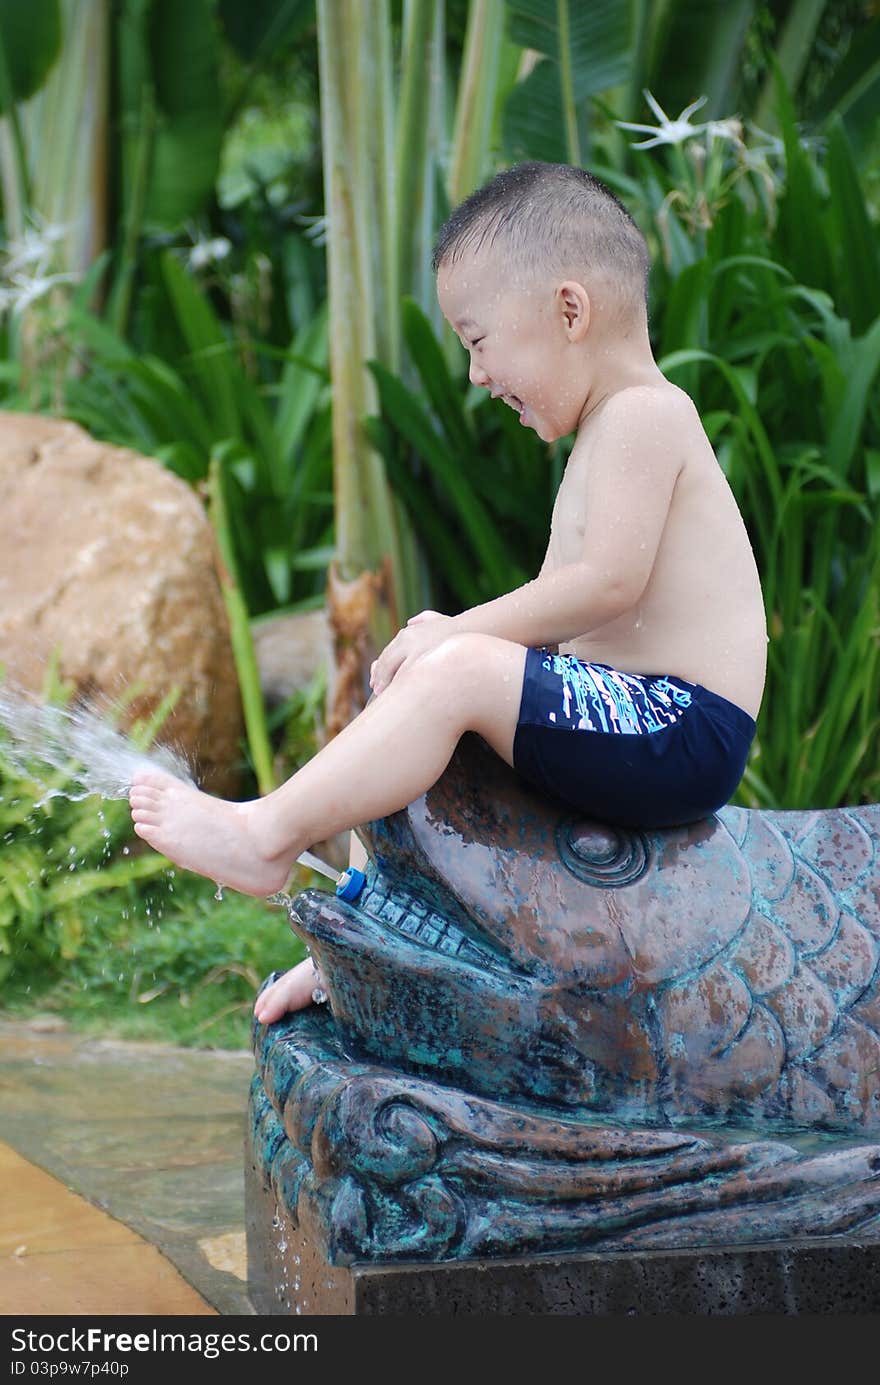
(151, 1134)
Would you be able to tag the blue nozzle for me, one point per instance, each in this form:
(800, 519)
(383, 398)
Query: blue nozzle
(350, 884)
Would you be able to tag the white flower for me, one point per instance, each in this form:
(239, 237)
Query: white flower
(668, 131)
(34, 249)
(730, 129)
(206, 252)
(315, 228)
(26, 289)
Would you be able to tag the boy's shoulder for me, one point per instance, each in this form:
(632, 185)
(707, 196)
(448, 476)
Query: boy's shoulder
(655, 420)
(648, 404)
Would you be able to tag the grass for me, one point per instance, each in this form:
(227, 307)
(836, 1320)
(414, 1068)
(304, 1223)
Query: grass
(176, 965)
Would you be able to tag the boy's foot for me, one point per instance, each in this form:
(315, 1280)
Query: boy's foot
(207, 835)
(292, 991)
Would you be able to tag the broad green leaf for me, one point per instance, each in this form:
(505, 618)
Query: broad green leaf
(445, 397)
(855, 238)
(258, 28)
(684, 321)
(533, 122)
(848, 421)
(600, 34)
(853, 90)
(800, 239)
(302, 385)
(184, 460)
(442, 543)
(796, 39)
(406, 413)
(208, 344)
(239, 626)
(172, 115)
(546, 114)
(695, 48)
(30, 41)
(184, 52)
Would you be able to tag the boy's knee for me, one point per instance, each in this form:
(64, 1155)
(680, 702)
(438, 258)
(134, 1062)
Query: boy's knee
(458, 652)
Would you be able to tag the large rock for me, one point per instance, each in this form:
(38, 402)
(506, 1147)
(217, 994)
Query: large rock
(109, 558)
(290, 649)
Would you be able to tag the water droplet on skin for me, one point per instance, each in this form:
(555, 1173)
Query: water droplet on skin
(318, 996)
(218, 893)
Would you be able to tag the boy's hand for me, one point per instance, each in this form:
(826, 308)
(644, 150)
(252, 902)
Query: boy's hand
(421, 633)
(425, 615)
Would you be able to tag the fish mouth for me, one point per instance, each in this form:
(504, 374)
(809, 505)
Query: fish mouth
(405, 913)
(412, 988)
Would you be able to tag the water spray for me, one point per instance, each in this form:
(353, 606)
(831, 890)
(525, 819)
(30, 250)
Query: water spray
(95, 757)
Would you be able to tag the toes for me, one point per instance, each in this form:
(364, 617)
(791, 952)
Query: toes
(150, 779)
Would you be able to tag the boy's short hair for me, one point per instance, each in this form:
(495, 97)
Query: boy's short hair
(555, 219)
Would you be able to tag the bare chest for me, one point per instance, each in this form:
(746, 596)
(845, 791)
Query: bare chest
(568, 522)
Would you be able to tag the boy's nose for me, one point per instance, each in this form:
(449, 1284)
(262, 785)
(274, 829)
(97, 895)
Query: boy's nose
(477, 374)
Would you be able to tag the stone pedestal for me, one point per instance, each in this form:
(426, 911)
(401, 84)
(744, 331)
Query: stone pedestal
(572, 1068)
(288, 1275)
(370, 1192)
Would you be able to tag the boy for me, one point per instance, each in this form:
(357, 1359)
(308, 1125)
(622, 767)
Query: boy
(648, 587)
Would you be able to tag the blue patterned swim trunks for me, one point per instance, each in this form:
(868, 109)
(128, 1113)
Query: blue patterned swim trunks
(633, 749)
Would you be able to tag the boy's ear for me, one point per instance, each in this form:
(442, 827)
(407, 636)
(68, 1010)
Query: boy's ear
(574, 303)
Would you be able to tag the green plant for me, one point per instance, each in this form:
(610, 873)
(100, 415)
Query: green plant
(585, 66)
(478, 487)
(760, 314)
(168, 963)
(766, 308)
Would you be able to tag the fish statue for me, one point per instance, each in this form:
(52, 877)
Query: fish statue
(544, 1032)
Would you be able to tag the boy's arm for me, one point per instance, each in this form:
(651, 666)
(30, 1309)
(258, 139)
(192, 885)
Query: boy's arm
(635, 460)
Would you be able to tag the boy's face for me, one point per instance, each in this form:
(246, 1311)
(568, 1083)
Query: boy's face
(515, 334)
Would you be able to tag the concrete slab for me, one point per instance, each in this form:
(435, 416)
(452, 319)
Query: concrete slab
(151, 1134)
(59, 1255)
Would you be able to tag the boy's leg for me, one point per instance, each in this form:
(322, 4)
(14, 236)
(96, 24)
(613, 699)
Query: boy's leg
(293, 990)
(387, 757)
(357, 852)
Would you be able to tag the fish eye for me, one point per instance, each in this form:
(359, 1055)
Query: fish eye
(601, 855)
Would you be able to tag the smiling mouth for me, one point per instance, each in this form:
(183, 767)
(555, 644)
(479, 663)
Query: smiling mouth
(510, 400)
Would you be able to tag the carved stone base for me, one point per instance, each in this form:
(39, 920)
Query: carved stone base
(288, 1275)
(370, 1191)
